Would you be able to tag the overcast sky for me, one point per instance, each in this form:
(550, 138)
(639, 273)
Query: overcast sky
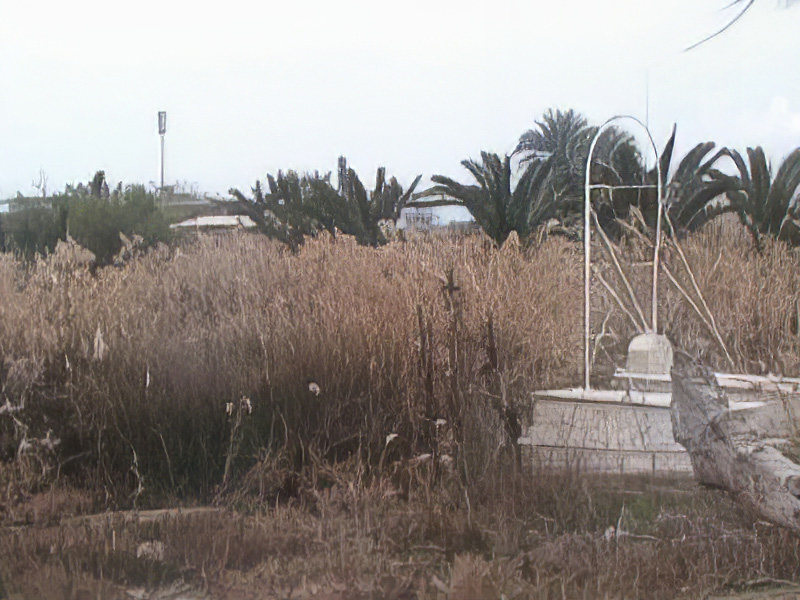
(417, 86)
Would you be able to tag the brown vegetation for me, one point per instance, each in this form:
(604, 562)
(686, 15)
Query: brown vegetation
(548, 536)
(233, 371)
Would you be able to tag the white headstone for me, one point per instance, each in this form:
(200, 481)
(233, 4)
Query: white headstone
(649, 353)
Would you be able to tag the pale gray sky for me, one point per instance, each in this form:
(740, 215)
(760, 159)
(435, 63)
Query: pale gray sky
(416, 86)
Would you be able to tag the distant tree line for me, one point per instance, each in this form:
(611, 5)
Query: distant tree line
(538, 188)
(546, 187)
(92, 214)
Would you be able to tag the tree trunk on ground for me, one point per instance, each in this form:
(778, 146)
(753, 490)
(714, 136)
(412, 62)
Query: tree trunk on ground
(738, 450)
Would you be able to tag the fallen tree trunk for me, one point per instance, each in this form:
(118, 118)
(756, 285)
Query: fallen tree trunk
(738, 450)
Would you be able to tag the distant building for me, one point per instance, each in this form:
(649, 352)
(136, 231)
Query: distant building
(21, 202)
(432, 215)
(216, 222)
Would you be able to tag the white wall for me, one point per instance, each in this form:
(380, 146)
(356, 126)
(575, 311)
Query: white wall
(432, 216)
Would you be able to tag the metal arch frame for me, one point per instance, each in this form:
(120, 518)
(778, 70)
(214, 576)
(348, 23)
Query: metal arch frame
(587, 241)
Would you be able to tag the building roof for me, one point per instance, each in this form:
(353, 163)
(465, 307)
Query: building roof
(229, 221)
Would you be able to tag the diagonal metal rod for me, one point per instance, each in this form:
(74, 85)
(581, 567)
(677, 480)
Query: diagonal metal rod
(642, 325)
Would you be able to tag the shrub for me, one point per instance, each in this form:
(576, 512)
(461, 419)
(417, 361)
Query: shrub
(35, 230)
(97, 219)
(92, 215)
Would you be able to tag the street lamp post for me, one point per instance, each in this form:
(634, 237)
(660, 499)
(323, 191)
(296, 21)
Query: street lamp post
(162, 130)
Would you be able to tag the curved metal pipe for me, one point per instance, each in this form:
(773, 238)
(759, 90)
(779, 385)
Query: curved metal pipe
(587, 241)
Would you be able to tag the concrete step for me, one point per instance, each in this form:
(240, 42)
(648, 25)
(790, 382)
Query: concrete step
(602, 436)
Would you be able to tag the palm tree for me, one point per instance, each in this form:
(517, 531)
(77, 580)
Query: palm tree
(287, 212)
(557, 133)
(389, 197)
(567, 136)
(696, 192)
(299, 206)
(564, 137)
(768, 206)
(384, 203)
(497, 208)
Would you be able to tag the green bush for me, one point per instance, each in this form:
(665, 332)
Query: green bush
(31, 231)
(95, 221)
(90, 214)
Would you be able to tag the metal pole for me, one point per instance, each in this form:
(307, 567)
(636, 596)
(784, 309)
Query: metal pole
(587, 264)
(162, 163)
(587, 270)
(162, 130)
(656, 252)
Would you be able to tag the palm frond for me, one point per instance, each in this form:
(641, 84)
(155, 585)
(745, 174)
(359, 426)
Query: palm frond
(747, 5)
(783, 192)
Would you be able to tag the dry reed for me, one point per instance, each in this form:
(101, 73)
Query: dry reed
(229, 369)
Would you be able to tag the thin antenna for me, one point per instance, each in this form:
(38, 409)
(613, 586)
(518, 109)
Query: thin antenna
(647, 100)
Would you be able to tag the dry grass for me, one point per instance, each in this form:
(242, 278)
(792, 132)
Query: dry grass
(544, 537)
(231, 371)
(135, 366)
(754, 299)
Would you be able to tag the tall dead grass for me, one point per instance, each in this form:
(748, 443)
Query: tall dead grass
(133, 369)
(369, 401)
(753, 299)
(184, 369)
